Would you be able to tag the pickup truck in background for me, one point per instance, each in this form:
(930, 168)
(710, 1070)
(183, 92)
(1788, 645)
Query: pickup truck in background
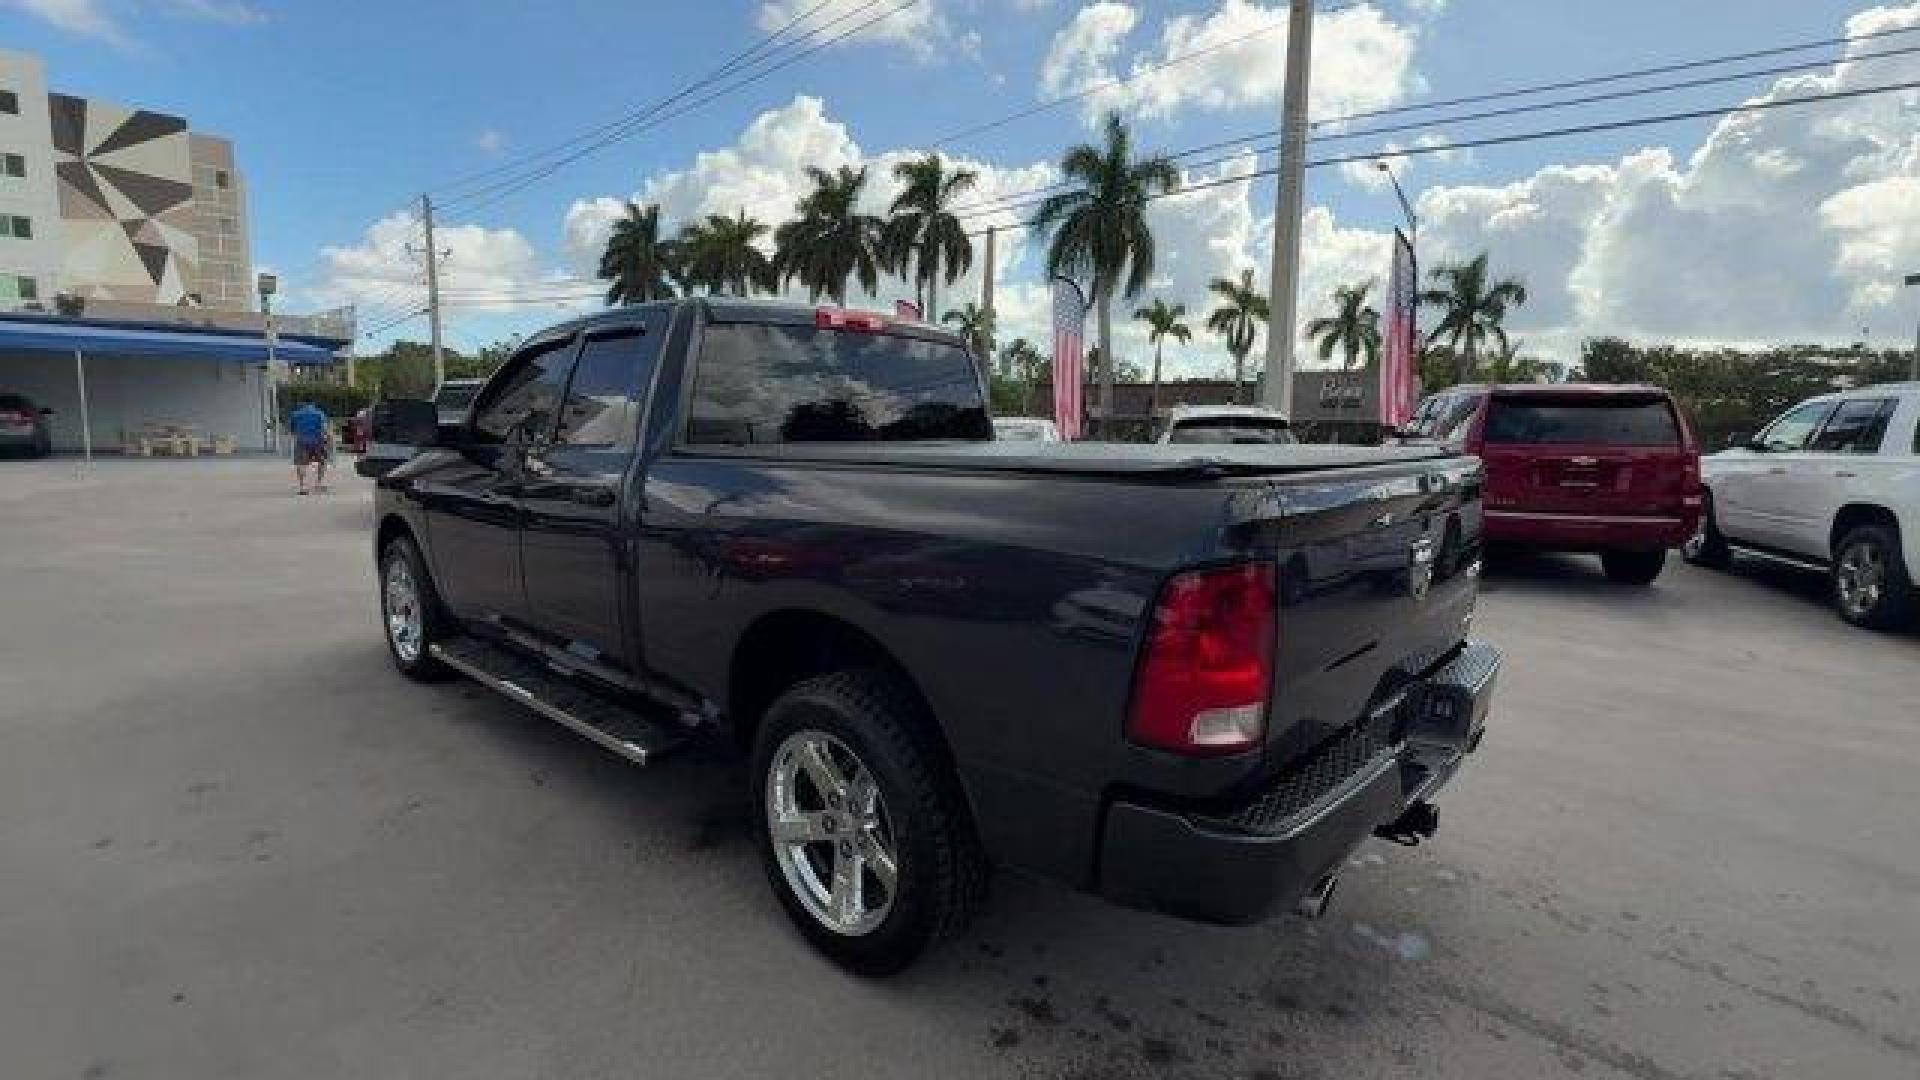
(451, 399)
(1833, 485)
(1188, 678)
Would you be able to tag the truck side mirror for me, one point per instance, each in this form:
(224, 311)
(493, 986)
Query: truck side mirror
(407, 421)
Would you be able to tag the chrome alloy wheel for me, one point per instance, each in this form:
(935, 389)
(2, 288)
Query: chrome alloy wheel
(405, 623)
(1860, 578)
(831, 834)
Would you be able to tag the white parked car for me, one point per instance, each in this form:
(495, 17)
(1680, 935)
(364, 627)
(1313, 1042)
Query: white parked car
(1025, 429)
(1833, 484)
(1219, 424)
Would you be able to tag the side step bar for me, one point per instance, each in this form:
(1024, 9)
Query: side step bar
(1798, 562)
(622, 730)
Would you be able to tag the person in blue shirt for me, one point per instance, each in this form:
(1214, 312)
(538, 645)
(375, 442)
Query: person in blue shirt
(312, 441)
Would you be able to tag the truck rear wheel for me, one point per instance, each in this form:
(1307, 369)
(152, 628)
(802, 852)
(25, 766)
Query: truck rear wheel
(1871, 587)
(1633, 567)
(861, 826)
(410, 612)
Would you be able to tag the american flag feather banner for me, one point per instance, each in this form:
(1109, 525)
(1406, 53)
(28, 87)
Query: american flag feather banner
(1069, 357)
(1400, 364)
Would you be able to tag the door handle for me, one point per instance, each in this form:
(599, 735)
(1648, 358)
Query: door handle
(1844, 474)
(591, 495)
(1777, 470)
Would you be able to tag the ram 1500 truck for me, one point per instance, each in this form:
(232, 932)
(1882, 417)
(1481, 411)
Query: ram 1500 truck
(1188, 678)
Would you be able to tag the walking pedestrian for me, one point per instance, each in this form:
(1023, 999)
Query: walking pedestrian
(312, 444)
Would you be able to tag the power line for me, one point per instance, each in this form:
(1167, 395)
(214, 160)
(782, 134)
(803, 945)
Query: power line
(1535, 136)
(1022, 199)
(650, 119)
(733, 63)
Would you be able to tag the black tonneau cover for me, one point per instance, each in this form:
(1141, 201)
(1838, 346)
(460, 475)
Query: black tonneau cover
(1140, 460)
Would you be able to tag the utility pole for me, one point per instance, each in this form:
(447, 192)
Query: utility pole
(433, 292)
(1285, 283)
(986, 298)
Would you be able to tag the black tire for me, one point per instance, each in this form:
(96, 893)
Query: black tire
(939, 871)
(417, 663)
(1892, 603)
(1708, 547)
(1634, 567)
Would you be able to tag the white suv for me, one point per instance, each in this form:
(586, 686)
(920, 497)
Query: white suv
(1834, 483)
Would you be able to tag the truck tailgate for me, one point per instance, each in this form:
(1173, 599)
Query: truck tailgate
(1377, 583)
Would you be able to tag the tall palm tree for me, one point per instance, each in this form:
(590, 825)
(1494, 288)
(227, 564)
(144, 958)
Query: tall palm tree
(924, 240)
(1354, 327)
(1242, 309)
(1474, 306)
(1163, 321)
(974, 324)
(720, 255)
(829, 240)
(637, 261)
(1099, 228)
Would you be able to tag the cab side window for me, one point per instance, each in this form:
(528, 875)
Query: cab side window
(523, 405)
(1856, 427)
(1791, 432)
(613, 368)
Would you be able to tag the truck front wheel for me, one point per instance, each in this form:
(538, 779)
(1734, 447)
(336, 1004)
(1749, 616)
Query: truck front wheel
(861, 826)
(410, 612)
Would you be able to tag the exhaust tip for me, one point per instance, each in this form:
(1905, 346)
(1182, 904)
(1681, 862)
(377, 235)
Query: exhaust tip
(1315, 903)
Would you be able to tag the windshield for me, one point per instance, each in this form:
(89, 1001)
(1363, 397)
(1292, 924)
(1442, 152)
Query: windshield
(761, 383)
(454, 396)
(1232, 429)
(1599, 422)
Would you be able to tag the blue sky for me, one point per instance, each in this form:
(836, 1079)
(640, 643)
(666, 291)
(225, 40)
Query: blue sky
(343, 111)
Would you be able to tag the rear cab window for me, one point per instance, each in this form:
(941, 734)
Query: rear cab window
(1225, 430)
(1598, 420)
(768, 383)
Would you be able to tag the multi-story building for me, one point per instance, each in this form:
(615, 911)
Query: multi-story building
(105, 202)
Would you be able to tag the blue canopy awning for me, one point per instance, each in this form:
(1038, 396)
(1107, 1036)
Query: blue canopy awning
(108, 340)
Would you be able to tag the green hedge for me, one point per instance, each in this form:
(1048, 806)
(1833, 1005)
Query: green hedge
(338, 401)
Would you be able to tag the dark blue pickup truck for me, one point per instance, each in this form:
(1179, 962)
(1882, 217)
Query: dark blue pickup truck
(1189, 678)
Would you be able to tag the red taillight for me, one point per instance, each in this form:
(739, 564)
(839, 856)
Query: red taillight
(1203, 683)
(843, 319)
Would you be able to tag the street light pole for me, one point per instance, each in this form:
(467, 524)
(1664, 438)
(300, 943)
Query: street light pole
(1913, 363)
(1413, 220)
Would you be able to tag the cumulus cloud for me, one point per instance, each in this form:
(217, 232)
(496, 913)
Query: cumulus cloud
(922, 28)
(481, 269)
(1361, 60)
(231, 12)
(490, 140)
(764, 172)
(1787, 225)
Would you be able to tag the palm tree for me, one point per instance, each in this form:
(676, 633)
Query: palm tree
(721, 255)
(1509, 366)
(638, 263)
(975, 325)
(1354, 326)
(1100, 231)
(1242, 309)
(1475, 308)
(922, 231)
(1026, 365)
(829, 241)
(1163, 321)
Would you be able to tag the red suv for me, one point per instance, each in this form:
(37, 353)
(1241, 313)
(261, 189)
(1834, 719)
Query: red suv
(1577, 467)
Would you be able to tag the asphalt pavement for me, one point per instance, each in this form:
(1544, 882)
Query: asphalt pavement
(235, 844)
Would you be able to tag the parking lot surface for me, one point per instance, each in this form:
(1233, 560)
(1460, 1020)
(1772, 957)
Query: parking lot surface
(234, 843)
